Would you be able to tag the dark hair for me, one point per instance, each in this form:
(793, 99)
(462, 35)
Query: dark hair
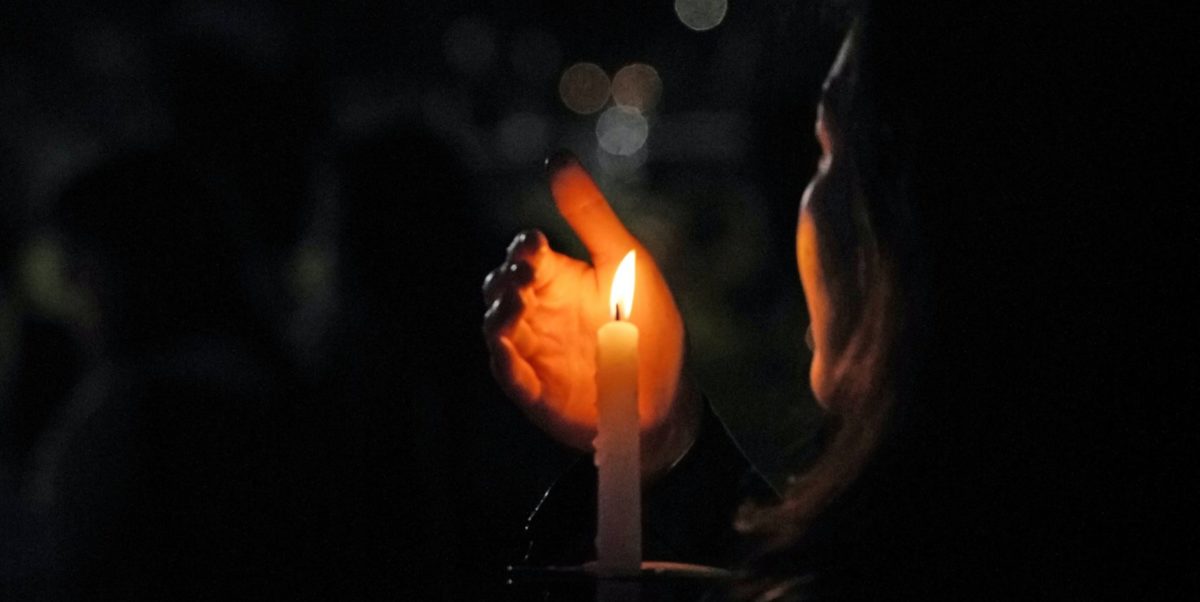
(976, 334)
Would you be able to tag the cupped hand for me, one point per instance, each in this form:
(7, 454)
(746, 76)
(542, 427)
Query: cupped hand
(544, 309)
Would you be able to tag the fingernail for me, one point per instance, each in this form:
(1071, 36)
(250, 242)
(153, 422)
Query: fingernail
(522, 271)
(527, 240)
(516, 243)
(559, 159)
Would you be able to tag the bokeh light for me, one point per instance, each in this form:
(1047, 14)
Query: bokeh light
(626, 168)
(584, 88)
(701, 15)
(637, 86)
(622, 130)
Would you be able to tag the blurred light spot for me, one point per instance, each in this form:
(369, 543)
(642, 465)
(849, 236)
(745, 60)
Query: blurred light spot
(622, 130)
(522, 138)
(584, 88)
(44, 272)
(622, 166)
(535, 56)
(470, 45)
(637, 86)
(701, 15)
(45, 280)
(311, 272)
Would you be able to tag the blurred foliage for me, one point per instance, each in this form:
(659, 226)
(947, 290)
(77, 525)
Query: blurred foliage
(45, 285)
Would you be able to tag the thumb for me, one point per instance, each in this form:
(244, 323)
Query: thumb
(584, 207)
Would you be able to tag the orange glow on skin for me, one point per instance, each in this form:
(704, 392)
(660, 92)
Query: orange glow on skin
(545, 311)
(812, 276)
(816, 298)
(583, 205)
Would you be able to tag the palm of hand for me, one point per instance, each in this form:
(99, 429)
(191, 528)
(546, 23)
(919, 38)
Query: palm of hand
(544, 313)
(562, 315)
(543, 328)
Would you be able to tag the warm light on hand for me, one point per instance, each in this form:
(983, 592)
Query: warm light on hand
(544, 309)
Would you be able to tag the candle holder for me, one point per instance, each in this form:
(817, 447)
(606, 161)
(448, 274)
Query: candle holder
(657, 581)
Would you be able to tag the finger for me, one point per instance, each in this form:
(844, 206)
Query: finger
(524, 245)
(514, 375)
(523, 337)
(502, 314)
(509, 275)
(584, 207)
(527, 244)
(506, 319)
(531, 247)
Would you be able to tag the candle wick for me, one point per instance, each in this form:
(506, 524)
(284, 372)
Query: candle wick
(618, 312)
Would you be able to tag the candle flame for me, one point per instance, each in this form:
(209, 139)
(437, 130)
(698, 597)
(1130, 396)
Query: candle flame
(620, 302)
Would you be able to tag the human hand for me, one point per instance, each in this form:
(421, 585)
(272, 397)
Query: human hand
(544, 309)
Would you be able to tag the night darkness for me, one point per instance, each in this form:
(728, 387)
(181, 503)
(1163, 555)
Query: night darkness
(242, 250)
(294, 211)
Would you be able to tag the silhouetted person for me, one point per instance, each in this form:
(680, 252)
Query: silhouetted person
(171, 474)
(247, 114)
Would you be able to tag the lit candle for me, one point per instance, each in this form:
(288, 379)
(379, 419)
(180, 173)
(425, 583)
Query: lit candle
(619, 494)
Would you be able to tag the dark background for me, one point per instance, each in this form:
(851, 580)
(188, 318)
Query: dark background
(363, 165)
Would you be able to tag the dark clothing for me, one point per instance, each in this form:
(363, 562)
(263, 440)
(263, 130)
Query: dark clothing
(687, 516)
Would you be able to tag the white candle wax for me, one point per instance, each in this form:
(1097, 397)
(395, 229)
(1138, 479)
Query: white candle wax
(618, 457)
